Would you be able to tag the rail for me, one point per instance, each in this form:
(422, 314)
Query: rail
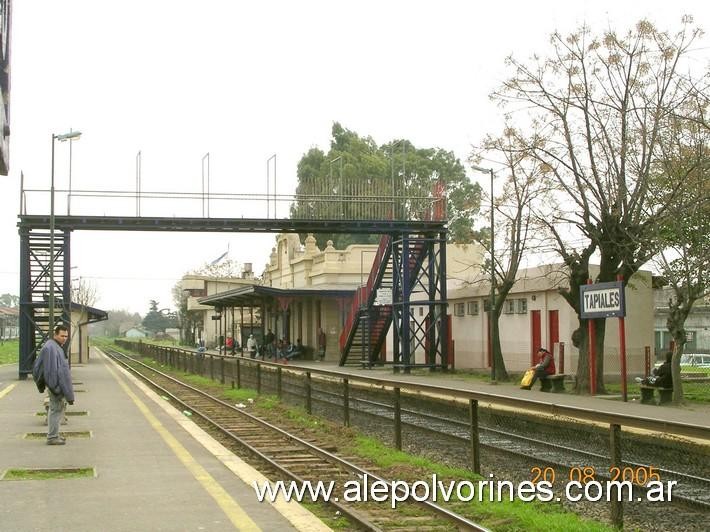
(584, 414)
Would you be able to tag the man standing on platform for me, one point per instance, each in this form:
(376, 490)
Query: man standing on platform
(321, 344)
(57, 377)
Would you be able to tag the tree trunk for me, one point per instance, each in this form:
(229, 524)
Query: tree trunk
(500, 372)
(579, 340)
(678, 397)
(678, 313)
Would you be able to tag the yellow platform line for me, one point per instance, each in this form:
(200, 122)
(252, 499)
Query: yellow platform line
(229, 506)
(7, 390)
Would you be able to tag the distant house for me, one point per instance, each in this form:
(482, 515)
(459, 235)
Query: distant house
(135, 333)
(9, 323)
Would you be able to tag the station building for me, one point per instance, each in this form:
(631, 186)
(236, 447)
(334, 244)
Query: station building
(535, 315)
(304, 288)
(210, 322)
(81, 317)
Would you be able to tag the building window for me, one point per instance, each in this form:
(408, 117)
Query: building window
(522, 306)
(421, 311)
(458, 309)
(472, 308)
(509, 306)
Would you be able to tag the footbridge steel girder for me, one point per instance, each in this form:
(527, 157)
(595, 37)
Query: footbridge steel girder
(234, 225)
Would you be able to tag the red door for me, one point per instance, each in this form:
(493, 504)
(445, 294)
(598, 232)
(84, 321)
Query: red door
(535, 334)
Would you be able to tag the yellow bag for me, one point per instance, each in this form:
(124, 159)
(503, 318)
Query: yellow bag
(527, 378)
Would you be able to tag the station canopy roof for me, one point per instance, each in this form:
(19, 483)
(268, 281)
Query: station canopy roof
(256, 295)
(94, 314)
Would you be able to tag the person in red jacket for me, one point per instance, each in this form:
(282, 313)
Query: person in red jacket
(545, 366)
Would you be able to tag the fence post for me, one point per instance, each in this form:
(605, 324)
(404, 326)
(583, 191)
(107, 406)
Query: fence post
(561, 368)
(346, 403)
(278, 382)
(211, 367)
(308, 391)
(258, 378)
(647, 361)
(397, 419)
(617, 506)
(475, 447)
(221, 369)
(239, 374)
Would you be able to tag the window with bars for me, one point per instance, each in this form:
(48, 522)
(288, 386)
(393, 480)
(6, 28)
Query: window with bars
(522, 306)
(472, 308)
(459, 309)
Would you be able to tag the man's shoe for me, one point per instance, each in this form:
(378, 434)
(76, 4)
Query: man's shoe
(56, 441)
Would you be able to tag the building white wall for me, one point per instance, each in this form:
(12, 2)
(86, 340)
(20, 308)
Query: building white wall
(541, 294)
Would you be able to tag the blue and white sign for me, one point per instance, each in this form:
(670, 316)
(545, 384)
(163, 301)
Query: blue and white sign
(602, 300)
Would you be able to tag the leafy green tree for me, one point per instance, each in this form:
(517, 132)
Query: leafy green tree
(8, 300)
(684, 262)
(357, 179)
(156, 321)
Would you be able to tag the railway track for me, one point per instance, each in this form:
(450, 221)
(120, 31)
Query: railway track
(285, 456)
(691, 489)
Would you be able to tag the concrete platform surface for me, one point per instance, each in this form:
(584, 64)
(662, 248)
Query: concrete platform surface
(697, 414)
(154, 468)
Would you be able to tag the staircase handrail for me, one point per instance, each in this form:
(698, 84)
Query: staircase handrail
(364, 294)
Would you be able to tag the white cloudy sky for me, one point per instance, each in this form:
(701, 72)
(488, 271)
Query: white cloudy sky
(242, 81)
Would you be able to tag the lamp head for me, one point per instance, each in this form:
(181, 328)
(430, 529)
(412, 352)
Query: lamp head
(72, 135)
(481, 169)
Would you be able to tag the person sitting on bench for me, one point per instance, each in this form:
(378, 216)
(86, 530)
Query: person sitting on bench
(662, 375)
(544, 368)
(294, 351)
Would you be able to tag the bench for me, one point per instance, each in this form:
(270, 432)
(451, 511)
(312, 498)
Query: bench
(553, 383)
(665, 395)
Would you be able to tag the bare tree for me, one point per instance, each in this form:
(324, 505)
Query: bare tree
(84, 292)
(593, 114)
(515, 221)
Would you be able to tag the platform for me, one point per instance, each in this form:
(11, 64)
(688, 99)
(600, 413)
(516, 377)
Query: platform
(155, 469)
(696, 414)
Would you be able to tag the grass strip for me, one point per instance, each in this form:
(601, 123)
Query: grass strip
(9, 351)
(49, 474)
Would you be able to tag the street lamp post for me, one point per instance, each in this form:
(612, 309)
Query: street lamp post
(61, 138)
(493, 272)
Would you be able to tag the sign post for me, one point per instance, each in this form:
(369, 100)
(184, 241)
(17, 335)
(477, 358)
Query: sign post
(604, 300)
(622, 347)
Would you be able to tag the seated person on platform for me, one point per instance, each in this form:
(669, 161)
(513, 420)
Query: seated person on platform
(662, 375)
(294, 351)
(545, 366)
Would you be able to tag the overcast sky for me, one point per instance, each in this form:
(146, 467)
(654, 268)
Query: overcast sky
(244, 81)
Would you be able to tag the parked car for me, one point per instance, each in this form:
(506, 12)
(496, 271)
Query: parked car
(696, 360)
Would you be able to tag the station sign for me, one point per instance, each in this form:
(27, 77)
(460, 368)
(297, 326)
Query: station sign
(602, 300)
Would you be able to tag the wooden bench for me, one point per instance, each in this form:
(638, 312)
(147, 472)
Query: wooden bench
(665, 395)
(553, 383)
